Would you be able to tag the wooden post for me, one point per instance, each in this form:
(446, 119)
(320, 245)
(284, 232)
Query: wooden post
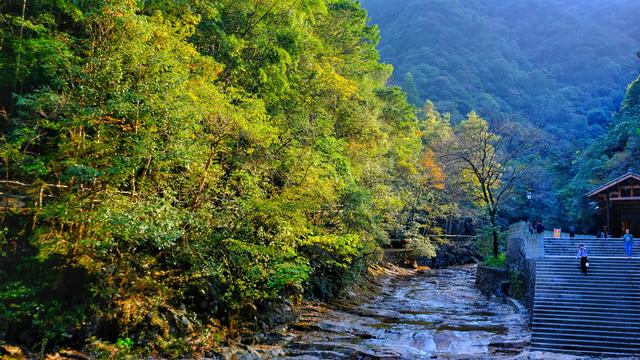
(608, 215)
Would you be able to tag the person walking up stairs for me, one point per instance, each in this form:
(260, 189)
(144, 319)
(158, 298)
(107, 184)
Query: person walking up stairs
(595, 315)
(583, 255)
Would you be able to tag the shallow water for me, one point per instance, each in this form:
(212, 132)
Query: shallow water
(439, 315)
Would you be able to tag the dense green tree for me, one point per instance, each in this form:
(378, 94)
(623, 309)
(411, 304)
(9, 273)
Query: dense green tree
(553, 65)
(510, 58)
(609, 157)
(169, 167)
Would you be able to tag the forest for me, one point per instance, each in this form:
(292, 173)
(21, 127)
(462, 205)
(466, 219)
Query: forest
(560, 66)
(172, 169)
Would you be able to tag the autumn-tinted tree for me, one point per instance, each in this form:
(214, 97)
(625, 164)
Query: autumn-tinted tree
(490, 163)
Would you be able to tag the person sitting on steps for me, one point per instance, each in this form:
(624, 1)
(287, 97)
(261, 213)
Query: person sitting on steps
(628, 242)
(584, 257)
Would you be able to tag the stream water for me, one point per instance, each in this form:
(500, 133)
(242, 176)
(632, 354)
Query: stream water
(437, 315)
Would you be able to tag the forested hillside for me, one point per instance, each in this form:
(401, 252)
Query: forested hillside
(169, 168)
(172, 171)
(562, 65)
(611, 156)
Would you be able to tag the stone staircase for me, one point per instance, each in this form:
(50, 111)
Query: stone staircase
(610, 247)
(597, 314)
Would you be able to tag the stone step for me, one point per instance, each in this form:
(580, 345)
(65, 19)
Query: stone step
(553, 295)
(574, 250)
(585, 329)
(606, 313)
(597, 353)
(590, 341)
(587, 241)
(589, 291)
(587, 301)
(587, 307)
(592, 277)
(595, 270)
(587, 244)
(578, 286)
(620, 339)
(627, 264)
(598, 284)
(596, 314)
(600, 269)
(585, 326)
(584, 320)
(576, 273)
(592, 253)
(593, 308)
(590, 247)
(581, 349)
(608, 259)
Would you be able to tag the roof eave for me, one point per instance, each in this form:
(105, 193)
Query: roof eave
(611, 183)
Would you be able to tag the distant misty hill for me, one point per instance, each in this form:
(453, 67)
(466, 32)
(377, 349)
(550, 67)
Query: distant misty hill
(562, 65)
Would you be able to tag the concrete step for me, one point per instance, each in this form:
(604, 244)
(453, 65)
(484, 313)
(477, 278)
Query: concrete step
(589, 342)
(611, 339)
(592, 277)
(589, 285)
(592, 308)
(564, 259)
(584, 320)
(599, 331)
(586, 306)
(573, 271)
(563, 326)
(597, 353)
(595, 276)
(605, 312)
(587, 301)
(581, 349)
(589, 247)
(589, 291)
(553, 295)
(596, 314)
(629, 265)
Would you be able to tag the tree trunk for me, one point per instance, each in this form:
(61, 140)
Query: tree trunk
(494, 232)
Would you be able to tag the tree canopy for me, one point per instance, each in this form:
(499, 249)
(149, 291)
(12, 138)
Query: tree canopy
(174, 165)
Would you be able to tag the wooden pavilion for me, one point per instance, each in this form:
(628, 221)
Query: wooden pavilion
(619, 204)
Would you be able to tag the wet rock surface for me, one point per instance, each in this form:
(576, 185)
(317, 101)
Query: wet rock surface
(438, 314)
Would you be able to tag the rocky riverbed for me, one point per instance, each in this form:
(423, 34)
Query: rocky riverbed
(436, 314)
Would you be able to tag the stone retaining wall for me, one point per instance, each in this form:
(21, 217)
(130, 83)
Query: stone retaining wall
(489, 280)
(523, 249)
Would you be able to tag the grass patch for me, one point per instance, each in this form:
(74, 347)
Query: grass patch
(496, 261)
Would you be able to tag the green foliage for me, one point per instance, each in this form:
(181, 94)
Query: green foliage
(125, 343)
(496, 261)
(613, 155)
(509, 59)
(186, 161)
(485, 242)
